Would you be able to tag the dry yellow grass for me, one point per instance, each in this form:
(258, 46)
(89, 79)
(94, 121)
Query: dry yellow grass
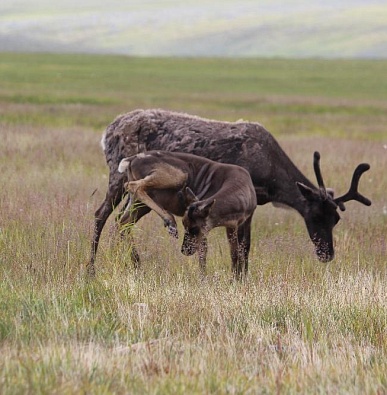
(295, 326)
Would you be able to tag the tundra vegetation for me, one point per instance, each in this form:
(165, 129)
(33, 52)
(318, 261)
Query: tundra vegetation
(295, 326)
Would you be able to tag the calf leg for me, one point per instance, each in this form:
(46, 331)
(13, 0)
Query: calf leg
(244, 241)
(232, 236)
(160, 178)
(138, 189)
(202, 251)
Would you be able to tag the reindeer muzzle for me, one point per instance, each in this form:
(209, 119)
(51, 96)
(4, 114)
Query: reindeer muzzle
(324, 252)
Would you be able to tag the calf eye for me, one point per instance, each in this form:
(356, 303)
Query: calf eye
(194, 231)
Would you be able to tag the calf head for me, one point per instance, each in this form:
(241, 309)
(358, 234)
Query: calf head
(321, 214)
(195, 221)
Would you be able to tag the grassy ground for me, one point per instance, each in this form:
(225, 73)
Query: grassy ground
(296, 325)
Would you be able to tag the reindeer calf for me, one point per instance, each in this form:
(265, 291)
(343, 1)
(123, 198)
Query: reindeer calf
(206, 194)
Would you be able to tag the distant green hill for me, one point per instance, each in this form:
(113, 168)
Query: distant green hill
(245, 28)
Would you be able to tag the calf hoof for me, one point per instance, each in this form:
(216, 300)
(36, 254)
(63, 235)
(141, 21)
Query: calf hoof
(172, 230)
(171, 226)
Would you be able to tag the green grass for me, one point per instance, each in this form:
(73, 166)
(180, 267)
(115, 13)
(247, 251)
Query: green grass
(289, 96)
(295, 326)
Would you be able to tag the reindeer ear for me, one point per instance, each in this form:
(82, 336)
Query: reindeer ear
(331, 192)
(307, 192)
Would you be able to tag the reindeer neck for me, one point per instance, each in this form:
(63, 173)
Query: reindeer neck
(283, 188)
(291, 196)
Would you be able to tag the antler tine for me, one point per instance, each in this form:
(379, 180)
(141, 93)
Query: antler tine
(353, 193)
(317, 170)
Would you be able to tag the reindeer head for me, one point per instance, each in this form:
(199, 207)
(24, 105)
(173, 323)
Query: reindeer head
(194, 220)
(321, 214)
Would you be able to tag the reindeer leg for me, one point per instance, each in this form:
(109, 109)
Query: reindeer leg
(130, 215)
(232, 237)
(113, 198)
(123, 210)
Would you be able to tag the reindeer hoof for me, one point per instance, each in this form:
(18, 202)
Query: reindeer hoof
(90, 271)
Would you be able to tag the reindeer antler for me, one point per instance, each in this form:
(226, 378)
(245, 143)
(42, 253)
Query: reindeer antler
(353, 193)
(317, 170)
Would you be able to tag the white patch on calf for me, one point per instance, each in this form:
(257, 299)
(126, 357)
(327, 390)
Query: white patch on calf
(122, 167)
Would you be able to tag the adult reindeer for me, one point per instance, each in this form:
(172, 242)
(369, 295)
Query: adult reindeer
(224, 196)
(276, 179)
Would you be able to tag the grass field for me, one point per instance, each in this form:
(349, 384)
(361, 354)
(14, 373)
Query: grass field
(295, 326)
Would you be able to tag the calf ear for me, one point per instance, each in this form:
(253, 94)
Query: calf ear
(189, 196)
(204, 209)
